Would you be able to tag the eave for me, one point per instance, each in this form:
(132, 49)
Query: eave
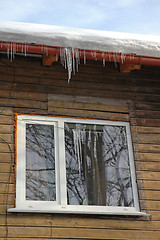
(50, 54)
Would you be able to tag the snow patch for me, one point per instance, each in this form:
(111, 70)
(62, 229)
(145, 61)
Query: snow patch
(145, 45)
(71, 41)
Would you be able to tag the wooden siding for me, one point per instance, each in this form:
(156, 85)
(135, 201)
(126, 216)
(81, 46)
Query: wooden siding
(28, 87)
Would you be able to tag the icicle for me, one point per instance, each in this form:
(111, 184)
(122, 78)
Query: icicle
(95, 55)
(92, 54)
(109, 57)
(95, 140)
(22, 48)
(73, 60)
(75, 142)
(104, 62)
(84, 57)
(115, 62)
(69, 58)
(83, 136)
(8, 50)
(14, 50)
(77, 148)
(69, 62)
(122, 58)
(77, 59)
(11, 52)
(80, 149)
(117, 57)
(25, 50)
(61, 59)
(96, 135)
(65, 59)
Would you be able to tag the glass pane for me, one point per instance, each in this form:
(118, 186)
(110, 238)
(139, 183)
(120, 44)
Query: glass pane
(97, 163)
(40, 163)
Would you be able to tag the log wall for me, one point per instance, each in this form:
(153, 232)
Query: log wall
(94, 92)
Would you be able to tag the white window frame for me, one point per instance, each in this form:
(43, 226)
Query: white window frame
(60, 205)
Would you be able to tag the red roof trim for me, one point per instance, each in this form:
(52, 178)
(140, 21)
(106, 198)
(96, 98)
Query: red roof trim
(31, 48)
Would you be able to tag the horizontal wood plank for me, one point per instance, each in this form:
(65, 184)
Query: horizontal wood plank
(6, 111)
(9, 188)
(150, 166)
(150, 157)
(87, 106)
(149, 148)
(88, 114)
(123, 104)
(6, 167)
(5, 147)
(71, 233)
(5, 177)
(6, 129)
(147, 106)
(22, 103)
(6, 119)
(147, 114)
(74, 222)
(7, 198)
(148, 130)
(148, 175)
(6, 138)
(149, 138)
(148, 185)
(150, 195)
(22, 95)
(5, 157)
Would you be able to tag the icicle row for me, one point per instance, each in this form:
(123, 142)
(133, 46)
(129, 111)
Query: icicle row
(13, 48)
(69, 57)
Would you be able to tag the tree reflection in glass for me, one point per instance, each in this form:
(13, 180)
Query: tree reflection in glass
(97, 165)
(40, 163)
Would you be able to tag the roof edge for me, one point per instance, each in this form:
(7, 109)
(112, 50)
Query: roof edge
(11, 48)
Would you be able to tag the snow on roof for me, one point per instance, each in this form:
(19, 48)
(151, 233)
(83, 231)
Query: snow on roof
(145, 45)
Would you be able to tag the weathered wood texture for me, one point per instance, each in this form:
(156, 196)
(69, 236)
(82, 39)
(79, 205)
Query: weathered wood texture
(94, 92)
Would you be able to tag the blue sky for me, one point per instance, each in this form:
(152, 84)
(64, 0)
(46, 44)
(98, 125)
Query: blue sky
(133, 16)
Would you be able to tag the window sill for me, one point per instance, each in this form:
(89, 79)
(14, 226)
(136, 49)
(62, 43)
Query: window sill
(78, 211)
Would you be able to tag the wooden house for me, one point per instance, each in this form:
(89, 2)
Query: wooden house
(79, 134)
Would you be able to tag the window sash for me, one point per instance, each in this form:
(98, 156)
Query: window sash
(60, 165)
(21, 164)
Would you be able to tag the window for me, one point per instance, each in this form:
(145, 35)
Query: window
(75, 166)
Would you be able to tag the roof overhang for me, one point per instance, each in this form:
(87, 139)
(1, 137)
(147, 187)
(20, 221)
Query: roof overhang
(55, 42)
(31, 48)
